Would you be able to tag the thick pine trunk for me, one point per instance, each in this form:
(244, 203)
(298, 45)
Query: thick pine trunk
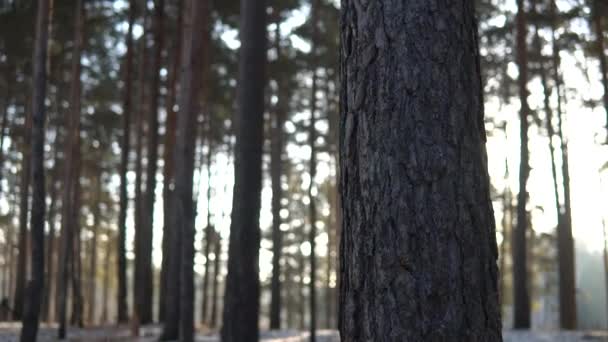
(35, 287)
(418, 256)
(71, 181)
(521, 298)
(241, 300)
(121, 299)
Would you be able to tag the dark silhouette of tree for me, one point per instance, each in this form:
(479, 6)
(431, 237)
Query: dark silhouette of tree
(241, 299)
(127, 109)
(71, 178)
(521, 305)
(35, 288)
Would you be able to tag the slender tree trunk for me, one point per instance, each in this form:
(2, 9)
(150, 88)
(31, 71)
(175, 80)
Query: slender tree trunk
(216, 271)
(566, 265)
(276, 172)
(209, 230)
(507, 227)
(3, 130)
(77, 294)
(241, 300)
(124, 168)
(23, 219)
(139, 298)
(184, 211)
(71, 173)
(145, 288)
(106, 281)
(521, 307)
(30, 320)
(597, 24)
(312, 188)
(419, 246)
(47, 312)
(93, 250)
(170, 127)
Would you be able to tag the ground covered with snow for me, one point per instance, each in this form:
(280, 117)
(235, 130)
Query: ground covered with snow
(9, 332)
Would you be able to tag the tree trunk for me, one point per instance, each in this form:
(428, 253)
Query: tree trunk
(241, 300)
(312, 207)
(209, 230)
(26, 178)
(276, 172)
(124, 168)
(184, 212)
(139, 299)
(567, 279)
(35, 288)
(521, 298)
(168, 167)
(145, 289)
(93, 252)
(47, 312)
(216, 271)
(77, 295)
(597, 24)
(419, 247)
(71, 174)
(179, 317)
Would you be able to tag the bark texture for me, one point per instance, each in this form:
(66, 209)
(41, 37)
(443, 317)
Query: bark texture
(35, 288)
(241, 300)
(418, 252)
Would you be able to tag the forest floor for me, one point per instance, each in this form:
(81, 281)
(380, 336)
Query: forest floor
(9, 332)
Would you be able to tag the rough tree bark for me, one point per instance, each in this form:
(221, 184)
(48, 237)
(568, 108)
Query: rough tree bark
(71, 174)
(35, 288)
(521, 298)
(418, 255)
(241, 300)
(121, 298)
